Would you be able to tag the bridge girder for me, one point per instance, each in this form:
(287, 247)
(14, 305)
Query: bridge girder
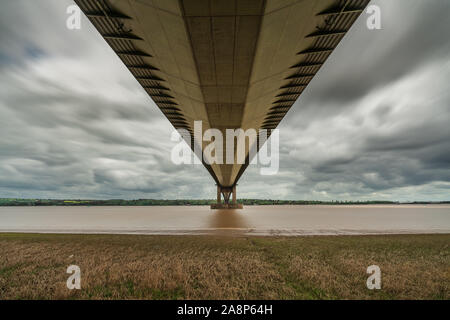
(227, 63)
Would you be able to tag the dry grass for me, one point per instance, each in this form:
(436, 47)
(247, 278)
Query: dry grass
(206, 267)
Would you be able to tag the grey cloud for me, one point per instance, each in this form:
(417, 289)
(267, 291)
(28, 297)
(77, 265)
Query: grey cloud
(413, 34)
(372, 125)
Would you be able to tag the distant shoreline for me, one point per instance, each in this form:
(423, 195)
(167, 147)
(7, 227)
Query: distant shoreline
(229, 232)
(8, 202)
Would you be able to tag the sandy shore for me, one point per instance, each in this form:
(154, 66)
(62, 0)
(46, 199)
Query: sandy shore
(229, 232)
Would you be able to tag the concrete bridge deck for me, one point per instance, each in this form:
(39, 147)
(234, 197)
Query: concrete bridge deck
(229, 63)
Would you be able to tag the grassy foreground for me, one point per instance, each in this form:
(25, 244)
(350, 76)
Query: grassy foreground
(207, 267)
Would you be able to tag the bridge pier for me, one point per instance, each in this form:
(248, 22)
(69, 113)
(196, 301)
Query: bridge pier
(226, 192)
(219, 195)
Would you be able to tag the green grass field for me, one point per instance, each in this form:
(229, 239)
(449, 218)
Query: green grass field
(33, 266)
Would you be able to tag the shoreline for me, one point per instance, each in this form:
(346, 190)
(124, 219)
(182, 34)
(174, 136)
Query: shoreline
(326, 205)
(231, 232)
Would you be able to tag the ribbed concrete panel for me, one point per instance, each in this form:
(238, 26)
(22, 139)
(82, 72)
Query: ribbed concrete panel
(223, 36)
(229, 63)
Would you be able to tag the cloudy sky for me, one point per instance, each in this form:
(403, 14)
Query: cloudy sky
(373, 124)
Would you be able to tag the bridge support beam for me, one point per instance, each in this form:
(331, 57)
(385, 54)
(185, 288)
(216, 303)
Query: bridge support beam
(219, 195)
(234, 195)
(226, 192)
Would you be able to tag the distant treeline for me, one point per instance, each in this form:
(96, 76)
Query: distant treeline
(156, 202)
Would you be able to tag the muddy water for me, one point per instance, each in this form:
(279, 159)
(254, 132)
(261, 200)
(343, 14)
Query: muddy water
(257, 220)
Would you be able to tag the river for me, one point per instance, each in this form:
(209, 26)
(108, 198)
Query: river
(252, 220)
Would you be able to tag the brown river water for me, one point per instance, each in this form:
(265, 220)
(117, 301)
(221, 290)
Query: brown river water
(252, 220)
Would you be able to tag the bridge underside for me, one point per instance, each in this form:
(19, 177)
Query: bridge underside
(228, 63)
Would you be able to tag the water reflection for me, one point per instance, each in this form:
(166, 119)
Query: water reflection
(225, 221)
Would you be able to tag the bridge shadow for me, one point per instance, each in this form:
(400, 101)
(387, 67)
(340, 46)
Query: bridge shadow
(228, 221)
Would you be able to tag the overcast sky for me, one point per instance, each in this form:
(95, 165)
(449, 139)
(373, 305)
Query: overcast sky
(373, 124)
